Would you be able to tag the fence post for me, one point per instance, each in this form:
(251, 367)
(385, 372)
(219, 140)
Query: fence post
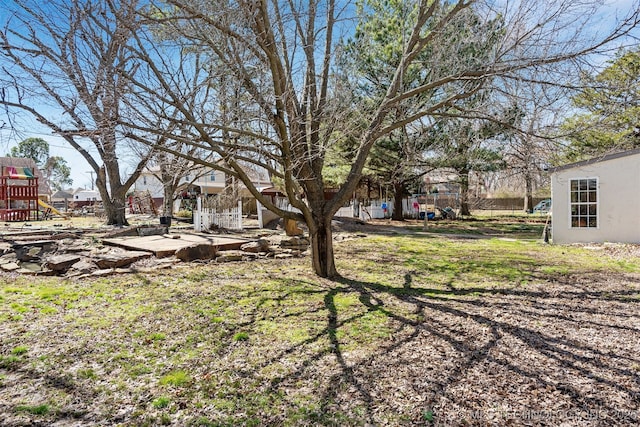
(259, 208)
(197, 216)
(240, 214)
(196, 221)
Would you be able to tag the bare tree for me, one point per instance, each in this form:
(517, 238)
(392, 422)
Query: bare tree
(534, 141)
(281, 105)
(63, 63)
(171, 169)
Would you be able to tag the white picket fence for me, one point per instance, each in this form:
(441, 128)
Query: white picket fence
(265, 216)
(230, 219)
(378, 209)
(345, 211)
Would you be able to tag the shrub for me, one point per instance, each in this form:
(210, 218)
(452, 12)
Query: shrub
(183, 214)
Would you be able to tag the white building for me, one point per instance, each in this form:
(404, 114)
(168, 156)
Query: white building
(148, 181)
(209, 181)
(87, 196)
(597, 200)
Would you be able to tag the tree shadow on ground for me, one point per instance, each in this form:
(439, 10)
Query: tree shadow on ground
(553, 354)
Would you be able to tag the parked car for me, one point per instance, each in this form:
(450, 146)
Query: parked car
(543, 207)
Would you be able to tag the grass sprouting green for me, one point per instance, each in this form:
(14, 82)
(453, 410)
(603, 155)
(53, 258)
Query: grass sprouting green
(157, 336)
(161, 402)
(175, 378)
(8, 362)
(241, 336)
(34, 409)
(19, 350)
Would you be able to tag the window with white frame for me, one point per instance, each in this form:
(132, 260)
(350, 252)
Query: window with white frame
(584, 203)
(213, 176)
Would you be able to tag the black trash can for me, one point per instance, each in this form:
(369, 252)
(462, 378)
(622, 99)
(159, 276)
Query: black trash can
(165, 220)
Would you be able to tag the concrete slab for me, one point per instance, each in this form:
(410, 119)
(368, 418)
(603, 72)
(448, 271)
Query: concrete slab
(167, 245)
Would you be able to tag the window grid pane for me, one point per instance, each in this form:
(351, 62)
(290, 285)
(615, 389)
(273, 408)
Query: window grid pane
(583, 204)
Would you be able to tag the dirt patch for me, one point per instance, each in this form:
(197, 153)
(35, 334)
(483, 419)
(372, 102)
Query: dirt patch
(619, 251)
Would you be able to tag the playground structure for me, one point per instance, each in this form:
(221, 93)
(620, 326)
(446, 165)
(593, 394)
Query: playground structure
(48, 210)
(142, 203)
(19, 198)
(18, 194)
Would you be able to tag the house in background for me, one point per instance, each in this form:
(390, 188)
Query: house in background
(148, 183)
(61, 199)
(83, 197)
(202, 180)
(199, 180)
(597, 200)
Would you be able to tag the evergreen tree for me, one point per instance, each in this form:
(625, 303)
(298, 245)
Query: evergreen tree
(610, 117)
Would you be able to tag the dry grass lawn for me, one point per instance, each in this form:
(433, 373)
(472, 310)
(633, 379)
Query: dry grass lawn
(423, 329)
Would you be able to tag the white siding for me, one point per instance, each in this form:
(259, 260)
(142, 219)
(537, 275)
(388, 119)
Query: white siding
(149, 182)
(210, 181)
(618, 202)
(86, 196)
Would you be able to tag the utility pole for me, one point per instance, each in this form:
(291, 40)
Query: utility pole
(91, 172)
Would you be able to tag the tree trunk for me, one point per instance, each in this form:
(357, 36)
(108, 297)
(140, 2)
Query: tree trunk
(528, 195)
(464, 194)
(398, 189)
(115, 211)
(167, 202)
(114, 203)
(322, 248)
